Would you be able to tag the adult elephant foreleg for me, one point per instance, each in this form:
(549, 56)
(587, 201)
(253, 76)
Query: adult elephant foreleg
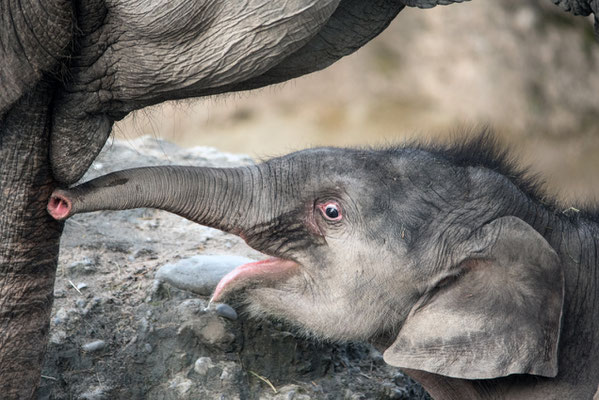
(29, 240)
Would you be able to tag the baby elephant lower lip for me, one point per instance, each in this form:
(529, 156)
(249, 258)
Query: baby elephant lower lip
(261, 271)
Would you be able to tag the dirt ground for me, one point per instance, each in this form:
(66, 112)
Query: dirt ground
(117, 334)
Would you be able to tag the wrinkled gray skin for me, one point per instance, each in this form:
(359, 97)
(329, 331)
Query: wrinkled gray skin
(70, 68)
(463, 276)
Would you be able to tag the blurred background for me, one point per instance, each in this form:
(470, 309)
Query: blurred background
(525, 68)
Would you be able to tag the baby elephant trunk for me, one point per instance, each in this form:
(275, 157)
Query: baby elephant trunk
(215, 197)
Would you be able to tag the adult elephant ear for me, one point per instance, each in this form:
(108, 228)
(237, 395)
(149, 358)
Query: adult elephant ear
(499, 315)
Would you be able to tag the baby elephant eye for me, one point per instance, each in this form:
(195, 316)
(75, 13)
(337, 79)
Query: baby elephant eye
(332, 211)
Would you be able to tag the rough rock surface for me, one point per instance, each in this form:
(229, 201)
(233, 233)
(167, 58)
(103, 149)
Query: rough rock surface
(122, 336)
(199, 274)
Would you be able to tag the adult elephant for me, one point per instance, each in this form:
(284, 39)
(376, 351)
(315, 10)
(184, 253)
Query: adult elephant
(71, 68)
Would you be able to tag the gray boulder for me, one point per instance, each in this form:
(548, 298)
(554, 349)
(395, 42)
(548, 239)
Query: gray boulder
(199, 274)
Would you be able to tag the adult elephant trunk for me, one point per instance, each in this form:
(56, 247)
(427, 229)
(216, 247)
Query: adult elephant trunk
(222, 198)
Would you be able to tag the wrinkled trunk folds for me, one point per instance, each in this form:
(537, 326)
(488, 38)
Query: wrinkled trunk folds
(29, 240)
(221, 198)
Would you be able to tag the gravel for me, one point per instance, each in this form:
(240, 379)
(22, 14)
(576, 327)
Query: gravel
(96, 345)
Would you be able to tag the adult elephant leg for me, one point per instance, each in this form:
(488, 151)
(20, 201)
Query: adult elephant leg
(29, 240)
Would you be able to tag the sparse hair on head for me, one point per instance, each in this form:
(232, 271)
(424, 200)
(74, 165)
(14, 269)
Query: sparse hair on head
(483, 149)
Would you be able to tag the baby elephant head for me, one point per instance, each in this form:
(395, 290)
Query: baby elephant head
(403, 247)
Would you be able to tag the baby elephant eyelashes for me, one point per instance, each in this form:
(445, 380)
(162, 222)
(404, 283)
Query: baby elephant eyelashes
(331, 211)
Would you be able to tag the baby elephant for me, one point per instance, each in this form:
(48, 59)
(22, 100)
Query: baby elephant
(445, 257)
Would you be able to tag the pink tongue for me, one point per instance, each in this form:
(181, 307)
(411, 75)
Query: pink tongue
(266, 270)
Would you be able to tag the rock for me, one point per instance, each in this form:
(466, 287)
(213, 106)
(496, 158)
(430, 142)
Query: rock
(192, 306)
(226, 311)
(217, 156)
(180, 384)
(96, 345)
(81, 303)
(202, 365)
(61, 316)
(57, 336)
(95, 302)
(97, 393)
(148, 348)
(84, 266)
(130, 343)
(144, 325)
(214, 332)
(199, 274)
(231, 372)
(288, 392)
(156, 292)
(375, 355)
(405, 383)
(208, 329)
(392, 392)
(350, 395)
(145, 252)
(81, 285)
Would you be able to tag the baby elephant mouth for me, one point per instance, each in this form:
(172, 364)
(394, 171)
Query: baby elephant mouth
(257, 273)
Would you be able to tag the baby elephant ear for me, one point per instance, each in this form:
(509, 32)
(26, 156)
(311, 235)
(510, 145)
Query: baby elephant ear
(500, 316)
